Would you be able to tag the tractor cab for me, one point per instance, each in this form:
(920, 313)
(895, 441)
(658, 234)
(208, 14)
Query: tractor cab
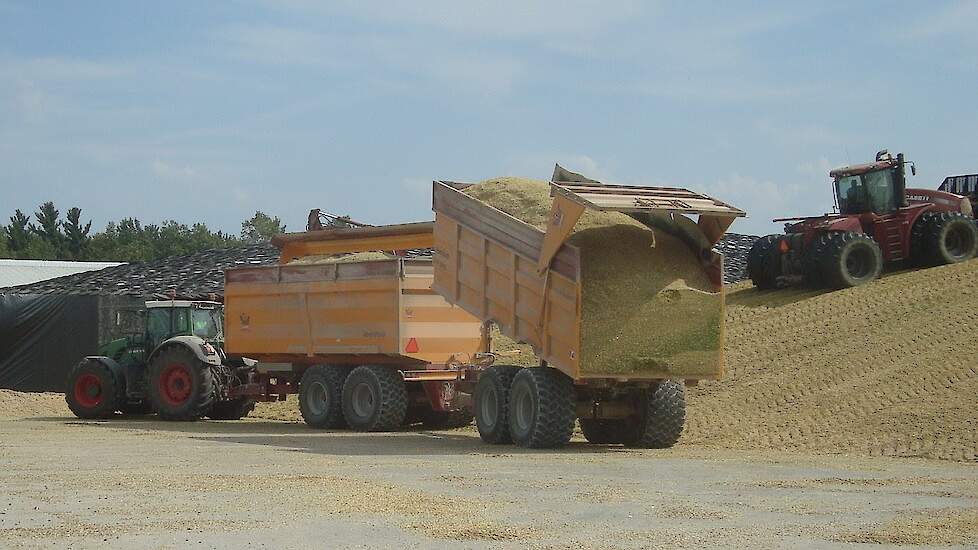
(878, 187)
(168, 318)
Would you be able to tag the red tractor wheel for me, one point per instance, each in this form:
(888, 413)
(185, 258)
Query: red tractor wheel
(93, 391)
(181, 386)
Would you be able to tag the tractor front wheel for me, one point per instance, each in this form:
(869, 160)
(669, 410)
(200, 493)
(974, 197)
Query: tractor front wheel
(851, 259)
(93, 391)
(181, 386)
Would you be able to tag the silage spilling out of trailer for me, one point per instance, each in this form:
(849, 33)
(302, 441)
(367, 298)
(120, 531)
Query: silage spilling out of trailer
(343, 258)
(648, 306)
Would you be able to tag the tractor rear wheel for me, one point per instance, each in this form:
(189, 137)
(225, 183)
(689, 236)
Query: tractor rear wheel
(93, 390)
(374, 399)
(660, 419)
(492, 403)
(851, 259)
(946, 238)
(763, 262)
(181, 386)
(603, 432)
(446, 420)
(233, 409)
(541, 408)
(321, 396)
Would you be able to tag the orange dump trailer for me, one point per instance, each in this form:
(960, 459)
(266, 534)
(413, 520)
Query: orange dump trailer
(530, 283)
(366, 344)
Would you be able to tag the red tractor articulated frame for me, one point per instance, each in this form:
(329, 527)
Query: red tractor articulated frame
(879, 221)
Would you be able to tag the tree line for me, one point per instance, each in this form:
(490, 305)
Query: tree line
(46, 236)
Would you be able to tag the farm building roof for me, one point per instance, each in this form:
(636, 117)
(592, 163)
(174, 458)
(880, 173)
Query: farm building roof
(22, 272)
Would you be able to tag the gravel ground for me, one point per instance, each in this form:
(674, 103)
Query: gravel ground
(140, 483)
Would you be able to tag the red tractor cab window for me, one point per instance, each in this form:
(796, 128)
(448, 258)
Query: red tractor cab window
(869, 192)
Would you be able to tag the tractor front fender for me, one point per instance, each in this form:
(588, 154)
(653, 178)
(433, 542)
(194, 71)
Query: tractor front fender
(114, 367)
(849, 223)
(204, 351)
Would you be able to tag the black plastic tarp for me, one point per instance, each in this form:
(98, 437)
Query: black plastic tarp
(43, 336)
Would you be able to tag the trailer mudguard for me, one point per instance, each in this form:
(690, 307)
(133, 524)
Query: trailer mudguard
(200, 347)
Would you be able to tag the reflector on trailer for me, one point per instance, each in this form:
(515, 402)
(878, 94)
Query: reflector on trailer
(412, 346)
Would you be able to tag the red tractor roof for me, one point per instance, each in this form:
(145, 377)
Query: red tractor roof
(857, 169)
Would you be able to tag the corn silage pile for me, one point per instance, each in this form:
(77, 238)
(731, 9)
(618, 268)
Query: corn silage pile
(648, 306)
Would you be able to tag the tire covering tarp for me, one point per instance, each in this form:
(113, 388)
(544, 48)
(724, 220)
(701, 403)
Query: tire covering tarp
(42, 336)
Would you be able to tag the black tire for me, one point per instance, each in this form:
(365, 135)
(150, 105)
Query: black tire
(321, 396)
(813, 259)
(541, 408)
(491, 401)
(446, 420)
(851, 259)
(374, 399)
(944, 238)
(233, 409)
(660, 419)
(763, 262)
(603, 432)
(93, 391)
(181, 386)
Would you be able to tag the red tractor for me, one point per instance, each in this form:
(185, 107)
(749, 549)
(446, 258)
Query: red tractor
(879, 221)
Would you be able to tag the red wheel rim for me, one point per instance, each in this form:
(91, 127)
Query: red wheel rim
(176, 385)
(88, 391)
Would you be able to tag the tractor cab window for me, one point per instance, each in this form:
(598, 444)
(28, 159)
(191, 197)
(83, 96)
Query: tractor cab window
(869, 192)
(208, 323)
(879, 189)
(181, 321)
(851, 194)
(158, 322)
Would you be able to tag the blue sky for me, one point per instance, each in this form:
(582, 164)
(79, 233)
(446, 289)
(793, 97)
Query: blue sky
(212, 110)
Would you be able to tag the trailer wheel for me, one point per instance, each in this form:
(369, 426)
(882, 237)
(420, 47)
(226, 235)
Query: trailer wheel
(603, 432)
(763, 263)
(660, 419)
(541, 408)
(234, 409)
(321, 396)
(446, 420)
(851, 259)
(374, 399)
(93, 391)
(947, 238)
(181, 386)
(492, 403)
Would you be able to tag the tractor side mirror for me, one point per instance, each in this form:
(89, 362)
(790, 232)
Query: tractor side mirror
(913, 169)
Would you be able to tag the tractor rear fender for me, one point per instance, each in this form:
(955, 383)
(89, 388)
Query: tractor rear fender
(203, 350)
(942, 201)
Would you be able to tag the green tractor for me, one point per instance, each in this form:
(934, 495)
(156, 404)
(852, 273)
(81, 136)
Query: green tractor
(177, 368)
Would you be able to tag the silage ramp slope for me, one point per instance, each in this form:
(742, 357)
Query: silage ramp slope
(888, 368)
